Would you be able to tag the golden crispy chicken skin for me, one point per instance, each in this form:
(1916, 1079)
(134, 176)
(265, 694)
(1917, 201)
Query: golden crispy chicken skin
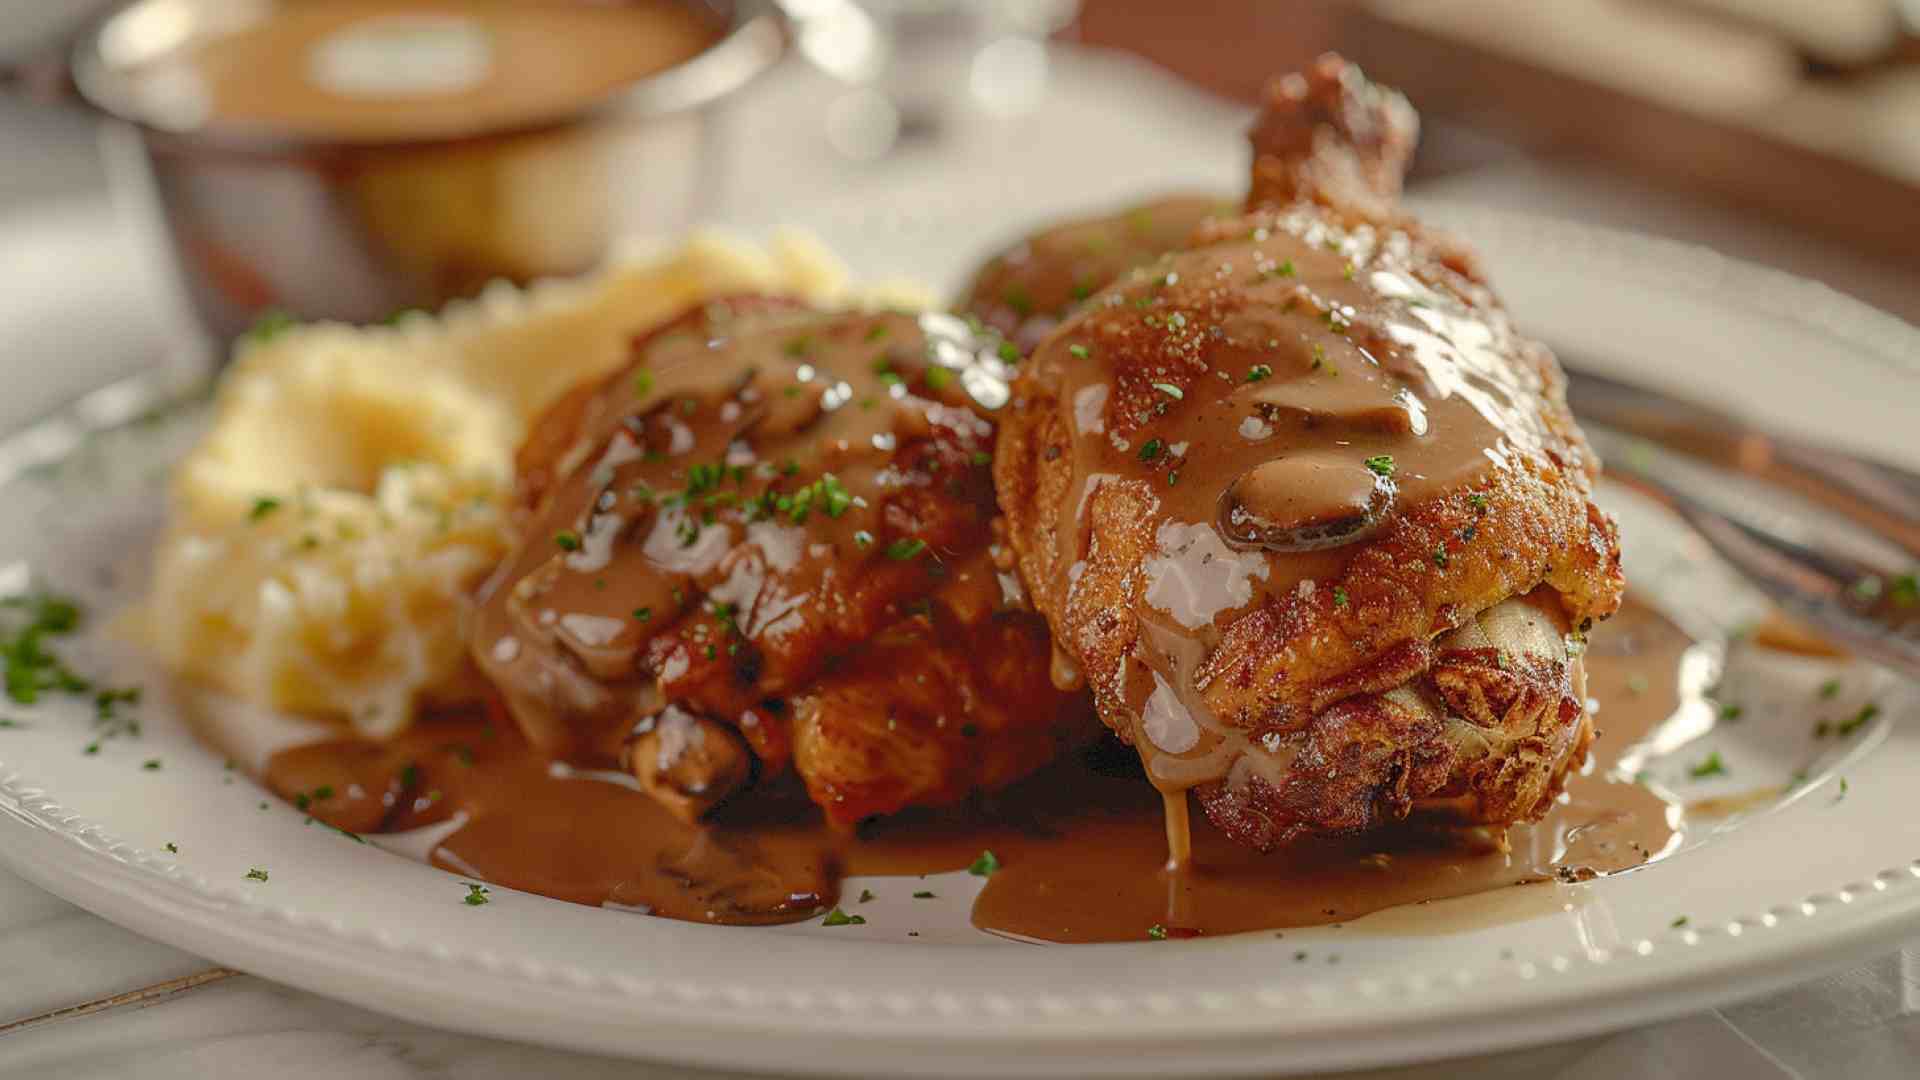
(766, 546)
(1304, 511)
(1025, 291)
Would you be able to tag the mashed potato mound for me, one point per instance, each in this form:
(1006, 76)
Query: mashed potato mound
(327, 533)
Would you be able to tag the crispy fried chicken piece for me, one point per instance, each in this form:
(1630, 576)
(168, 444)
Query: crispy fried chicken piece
(1308, 516)
(1025, 291)
(764, 548)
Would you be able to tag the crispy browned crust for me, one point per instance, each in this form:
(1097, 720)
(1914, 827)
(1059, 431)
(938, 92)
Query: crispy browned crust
(926, 715)
(1479, 737)
(1303, 669)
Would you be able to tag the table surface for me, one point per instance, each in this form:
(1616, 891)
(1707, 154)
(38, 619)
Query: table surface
(80, 997)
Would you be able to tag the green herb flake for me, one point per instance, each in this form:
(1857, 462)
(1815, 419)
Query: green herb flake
(985, 866)
(476, 894)
(643, 613)
(1151, 450)
(1904, 590)
(981, 457)
(256, 874)
(1711, 766)
(1381, 465)
(1478, 502)
(1730, 713)
(1339, 597)
(151, 765)
(173, 848)
(863, 539)
(876, 332)
(866, 896)
(1830, 689)
(1259, 371)
(836, 917)
(1009, 352)
(1078, 351)
(1858, 720)
(1440, 556)
(262, 507)
(1156, 932)
(643, 384)
(902, 550)
(938, 378)
(567, 540)
(1678, 923)
(923, 894)
(271, 324)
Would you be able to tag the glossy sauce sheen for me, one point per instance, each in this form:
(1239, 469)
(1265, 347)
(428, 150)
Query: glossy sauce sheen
(1082, 846)
(481, 65)
(1311, 383)
(772, 535)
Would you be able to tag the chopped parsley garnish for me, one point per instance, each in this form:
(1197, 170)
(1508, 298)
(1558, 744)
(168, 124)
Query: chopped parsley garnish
(151, 765)
(1841, 794)
(1009, 352)
(1319, 356)
(1678, 923)
(1078, 351)
(1904, 590)
(836, 917)
(1339, 596)
(985, 866)
(902, 550)
(1712, 766)
(981, 457)
(1730, 712)
(1382, 465)
(1858, 720)
(1478, 502)
(643, 613)
(866, 895)
(876, 331)
(1259, 371)
(1156, 932)
(256, 874)
(1151, 450)
(1830, 689)
(567, 540)
(643, 384)
(263, 506)
(1170, 390)
(826, 494)
(476, 894)
(30, 667)
(173, 848)
(923, 894)
(1440, 556)
(939, 378)
(271, 324)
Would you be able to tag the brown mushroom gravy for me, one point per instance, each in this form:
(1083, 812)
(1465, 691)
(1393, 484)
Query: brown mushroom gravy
(1024, 292)
(765, 548)
(1081, 846)
(1310, 384)
(355, 70)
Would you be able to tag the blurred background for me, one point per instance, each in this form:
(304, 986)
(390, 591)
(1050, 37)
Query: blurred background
(163, 179)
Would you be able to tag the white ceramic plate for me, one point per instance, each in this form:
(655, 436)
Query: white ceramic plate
(1811, 880)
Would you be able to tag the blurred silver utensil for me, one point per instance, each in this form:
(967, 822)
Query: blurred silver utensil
(1840, 556)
